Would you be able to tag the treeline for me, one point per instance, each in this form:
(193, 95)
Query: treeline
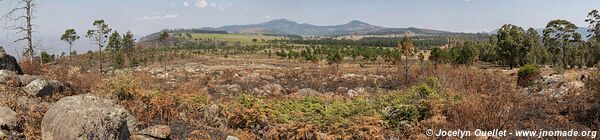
(316, 53)
(559, 45)
(204, 31)
(420, 42)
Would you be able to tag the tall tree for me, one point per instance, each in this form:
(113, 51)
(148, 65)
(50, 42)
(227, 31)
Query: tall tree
(438, 56)
(70, 36)
(593, 45)
(99, 36)
(405, 45)
(593, 19)
(128, 48)
(19, 18)
(559, 34)
(114, 47)
(536, 51)
(511, 48)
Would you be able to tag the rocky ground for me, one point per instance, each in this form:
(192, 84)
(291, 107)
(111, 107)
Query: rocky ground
(196, 98)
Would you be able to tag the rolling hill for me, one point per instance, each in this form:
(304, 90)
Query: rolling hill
(284, 26)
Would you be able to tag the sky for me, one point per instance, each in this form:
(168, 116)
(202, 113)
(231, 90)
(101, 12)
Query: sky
(143, 17)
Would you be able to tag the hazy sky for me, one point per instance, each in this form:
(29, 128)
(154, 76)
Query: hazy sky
(146, 16)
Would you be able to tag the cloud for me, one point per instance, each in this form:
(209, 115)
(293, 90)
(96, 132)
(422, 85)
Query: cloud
(201, 3)
(267, 16)
(220, 5)
(167, 16)
(186, 4)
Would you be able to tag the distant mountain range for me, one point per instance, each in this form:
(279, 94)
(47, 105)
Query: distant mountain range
(355, 27)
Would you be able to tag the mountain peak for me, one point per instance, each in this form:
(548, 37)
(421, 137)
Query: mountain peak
(281, 20)
(356, 22)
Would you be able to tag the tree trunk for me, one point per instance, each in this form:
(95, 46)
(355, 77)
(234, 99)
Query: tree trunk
(100, 58)
(28, 15)
(70, 51)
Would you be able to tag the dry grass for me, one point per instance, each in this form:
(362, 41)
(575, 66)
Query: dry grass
(460, 98)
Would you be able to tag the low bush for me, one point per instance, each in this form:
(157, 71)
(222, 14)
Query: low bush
(122, 86)
(527, 75)
(398, 114)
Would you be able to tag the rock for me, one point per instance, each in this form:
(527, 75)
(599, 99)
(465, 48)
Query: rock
(213, 116)
(142, 137)
(8, 117)
(254, 77)
(351, 76)
(553, 79)
(272, 90)
(342, 89)
(87, 117)
(158, 131)
(42, 87)
(307, 92)
(9, 78)
(26, 79)
(225, 89)
(575, 85)
(351, 93)
(8, 62)
(3, 135)
(356, 91)
(232, 138)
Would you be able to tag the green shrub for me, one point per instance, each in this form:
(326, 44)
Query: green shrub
(200, 100)
(122, 87)
(424, 91)
(527, 74)
(396, 114)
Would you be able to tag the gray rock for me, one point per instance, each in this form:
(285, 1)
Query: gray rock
(226, 89)
(232, 138)
(351, 76)
(271, 90)
(87, 117)
(9, 78)
(8, 117)
(26, 79)
(158, 131)
(8, 62)
(307, 92)
(342, 89)
(142, 137)
(553, 79)
(254, 77)
(3, 135)
(42, 87)
(352, 93)
(213, 116)
(356, 91)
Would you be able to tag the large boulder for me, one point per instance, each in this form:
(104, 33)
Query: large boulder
(227, 89)
(307, 92)
(8, 118)
(8, 62)
(43, 87)
(87, 117)
(155, 132)
(9, 78)
(270, 90)
(232, 138)
(26, 79)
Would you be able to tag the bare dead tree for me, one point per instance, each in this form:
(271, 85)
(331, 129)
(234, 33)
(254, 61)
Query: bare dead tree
(19, 19)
